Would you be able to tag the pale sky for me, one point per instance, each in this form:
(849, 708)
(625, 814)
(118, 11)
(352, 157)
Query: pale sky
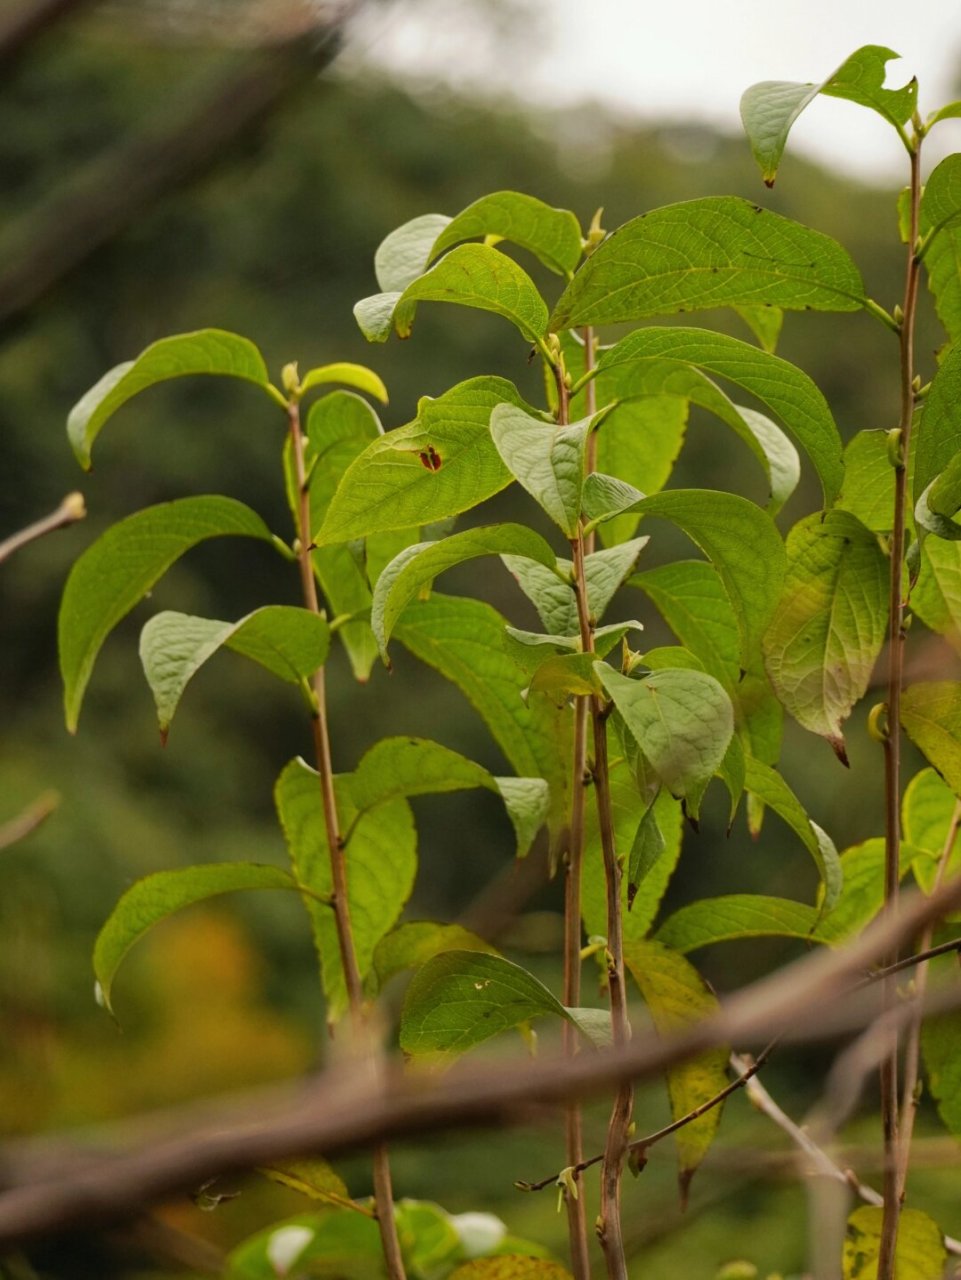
(686, 59)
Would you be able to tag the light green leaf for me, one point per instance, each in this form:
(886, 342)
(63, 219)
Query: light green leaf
(552, 235)
(566, 675)
(290, 643)
(919, 1255)
(927, 817)
(780, 386)
(862, 870)
(511, 1266)
(765, 323)
(206, 351)
(626, 805)
(824, 639)
(118, 570)
(769, 109)
(677, 997)
(939, 428)
(428, 1239)
(940, 501)
(737, 915)
(417, 566)
(397, 483)
(554, 599)
(868, 488)
(547, 460)
(718, 251)
(472, 275)
(375, 315)
(403, 255)
(465, 641)
(418, 767)
(769, 786)
(333, 1242)
(936, 597)
(682, 721)
(691, 598)
(313, 1178)
(411, 945)
(352, 375)
(460, 998)
(941, 200)
(157, 896)
(381, 862)
(931, 715)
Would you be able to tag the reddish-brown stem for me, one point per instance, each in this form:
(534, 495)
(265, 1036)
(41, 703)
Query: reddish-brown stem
(383, 1189)
(70, 510)
(892, 746)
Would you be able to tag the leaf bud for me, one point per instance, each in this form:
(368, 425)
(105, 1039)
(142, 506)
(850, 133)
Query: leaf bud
(290, 378)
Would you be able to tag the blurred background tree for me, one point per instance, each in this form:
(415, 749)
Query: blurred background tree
(169, 165)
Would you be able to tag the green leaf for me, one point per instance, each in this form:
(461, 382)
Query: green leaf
(678, 997)
(626, 805)
(769, 109)
(862, 870)
(718, 251)
(511, 1266)
(919, 1255)
(939, 427)
(352, 375)
(927, 817)
(691, 598)
(566, 675)
(411, 945)
(554, 599)
(868, 488)
(428, 1238)
(418, 767)
(206, 351)
(646, 852)
(941, 200)
(936, 597)
(460, 998)
(118, 570)
(765, 323)
(769, 786)
(940, 501)
(640, 443)
(381, 862)
(404, 254)
(397, 482)
(552, 235)
(375, 315)
(465, 641)
(824, 639)
(313, 1178)
(737, 915)
(547, 460)
(157, 896)
(417, 566)
(290, 643)
(472, 275)
(941, 1050)
(334, 1242)
(931, 715)
(682, 721)
(782, 387)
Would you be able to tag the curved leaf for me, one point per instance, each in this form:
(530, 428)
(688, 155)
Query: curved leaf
(403, 255)
(552, 235)
(555, 601)
(936, 598)
(290, 643)
(206, 351)
(718, 251)
(545, 459)
(123, 564)
(939, 427)
(862, 871)
(768, 785)
(441, 464)
(411, 945)
(736, 915)
(351, 375)
(157, 896)
(417, 566)
(824, 639)
(931, 715)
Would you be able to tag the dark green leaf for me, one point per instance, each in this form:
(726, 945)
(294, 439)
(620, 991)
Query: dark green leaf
(769, 786)
(553, 235)
(554, 599)
(737, 915)
(646, 851)
(118, 570)
(719, 251)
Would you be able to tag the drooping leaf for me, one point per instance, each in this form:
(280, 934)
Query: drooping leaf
(460, 998)
(351, 375)
(919, 1254)
(547, 460)
(682, 721)
(765, 323)
(511, 1266)
(403, 255)
(931, 715)
(313, 1178)
(465, 640)
(939, 427)
(118, 570)
(782, 387)
(157, 896)
(290, 643)
(936, 597)
(717, 251)
(416, 766)
(769, 109)
(646, 852)
(552, 235)
(211, 351)
(940, 502)
(824, 639)
(380, 858)
(417, 566)
(627, 808)
(769, 786)
(554, 599)
(332, 1242)
(441, 464)
(677, 997)
(411, 945)
(737, 915)
(472, 275)
(862, 870)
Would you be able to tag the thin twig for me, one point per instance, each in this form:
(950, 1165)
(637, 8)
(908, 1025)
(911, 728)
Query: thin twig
(71, 509)
(28, 819)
